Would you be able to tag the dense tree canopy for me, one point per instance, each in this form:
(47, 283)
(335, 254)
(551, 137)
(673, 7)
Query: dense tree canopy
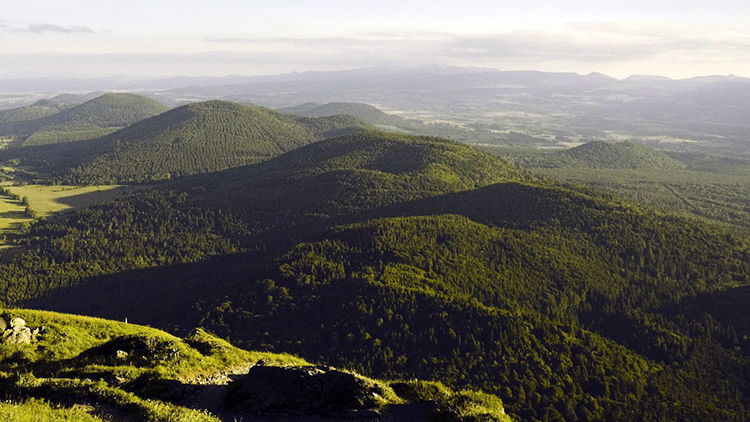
(402, 256)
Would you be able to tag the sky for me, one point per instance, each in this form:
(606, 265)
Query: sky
(157, 38)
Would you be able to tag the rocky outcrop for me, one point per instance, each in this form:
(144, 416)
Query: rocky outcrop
(313, 390)
(136, 350)
(15, 331)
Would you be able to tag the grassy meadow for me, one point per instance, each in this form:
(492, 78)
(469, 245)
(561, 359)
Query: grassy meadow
(49, 199)
(44, 200)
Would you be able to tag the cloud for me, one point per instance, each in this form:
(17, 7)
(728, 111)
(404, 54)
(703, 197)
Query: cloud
(583, 43)
(617, 48)
(41, 28)
(45, 28)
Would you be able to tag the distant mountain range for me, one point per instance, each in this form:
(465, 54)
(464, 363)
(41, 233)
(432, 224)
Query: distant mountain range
(702, 114)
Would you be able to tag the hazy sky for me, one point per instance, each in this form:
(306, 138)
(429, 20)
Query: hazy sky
(160, 38)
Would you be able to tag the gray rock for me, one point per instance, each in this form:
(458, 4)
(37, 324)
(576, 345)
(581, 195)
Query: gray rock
(18, 335)
(17, 323)
(18, 332)
(314, 390)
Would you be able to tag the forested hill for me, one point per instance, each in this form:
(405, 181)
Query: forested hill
(364, 112)
(195, 138)
(385, 121)
(103, 113)
(39, 109)
(404, 257)
(364, 170)
(599, 154)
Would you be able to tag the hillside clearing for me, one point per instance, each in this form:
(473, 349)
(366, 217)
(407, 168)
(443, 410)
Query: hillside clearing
(48, 199)
(45, 200)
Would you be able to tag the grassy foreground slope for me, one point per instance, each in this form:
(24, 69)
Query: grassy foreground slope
(90, 369)
(34, 410)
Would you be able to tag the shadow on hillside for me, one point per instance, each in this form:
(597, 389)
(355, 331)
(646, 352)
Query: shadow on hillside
(728, 306)
(86, 199)
(16, 215)
(163, 297)
(509, 204)
(166, 296)
(210, 397)
(52, 155)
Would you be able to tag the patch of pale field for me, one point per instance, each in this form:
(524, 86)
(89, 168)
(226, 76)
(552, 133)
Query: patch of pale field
(671, 140)
(570, 144)
(419, 115)
(48, 199)
(509, 113)
(620, 136)
(45, 200)
(4, 141)
(552, 147)
(445, 122)
(394, 111)
(12, 217)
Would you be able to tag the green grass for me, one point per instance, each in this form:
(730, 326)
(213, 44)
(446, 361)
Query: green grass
(463, 405)
(12, 218)
(72, 360)
(67, 336)
(49, 199)
(45, 200)
(34, 410)
(75, 362)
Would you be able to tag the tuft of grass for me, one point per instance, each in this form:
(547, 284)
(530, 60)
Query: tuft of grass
(35, 410)
(462, 406)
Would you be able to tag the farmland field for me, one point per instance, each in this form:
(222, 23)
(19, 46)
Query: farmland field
(12, 217)
(45, 200)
